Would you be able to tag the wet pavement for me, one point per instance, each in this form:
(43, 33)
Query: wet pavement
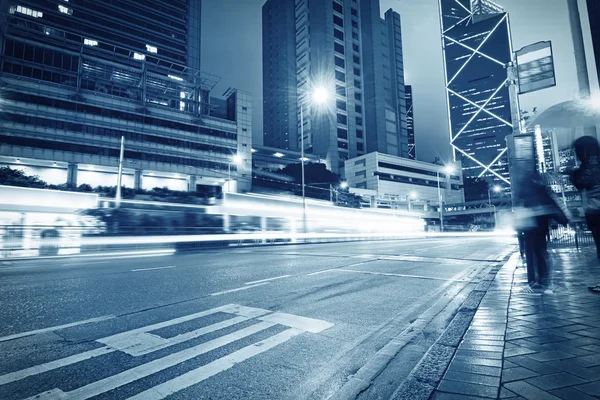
(532, 344)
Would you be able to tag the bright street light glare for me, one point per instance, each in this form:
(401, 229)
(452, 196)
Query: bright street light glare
(413, 195)
(344, 185)
(236, 159)
(497, 188)
(320, 95)
(449, 169)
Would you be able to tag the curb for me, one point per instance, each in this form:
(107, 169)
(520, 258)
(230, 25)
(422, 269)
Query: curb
(423, 380)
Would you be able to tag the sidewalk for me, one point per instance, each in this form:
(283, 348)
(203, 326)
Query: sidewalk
(541, 345)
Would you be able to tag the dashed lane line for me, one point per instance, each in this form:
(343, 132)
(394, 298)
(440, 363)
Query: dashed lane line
(267, 280)
(153, 269)
(239, 289)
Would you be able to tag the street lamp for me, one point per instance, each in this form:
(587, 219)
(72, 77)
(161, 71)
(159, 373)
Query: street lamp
(237, 160)
(319, 96)
(343, 185)
(449, 169)
(496, 189)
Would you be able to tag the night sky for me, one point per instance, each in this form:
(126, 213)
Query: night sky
(232, 49)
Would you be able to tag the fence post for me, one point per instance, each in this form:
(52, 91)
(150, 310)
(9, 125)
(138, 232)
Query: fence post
(576, 241)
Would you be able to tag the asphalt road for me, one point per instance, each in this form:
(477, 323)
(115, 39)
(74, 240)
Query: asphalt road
(280, 322)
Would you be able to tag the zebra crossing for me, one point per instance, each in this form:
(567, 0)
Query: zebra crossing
(145, 340)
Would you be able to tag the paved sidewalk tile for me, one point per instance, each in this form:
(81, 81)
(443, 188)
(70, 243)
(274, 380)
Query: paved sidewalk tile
(535, 346)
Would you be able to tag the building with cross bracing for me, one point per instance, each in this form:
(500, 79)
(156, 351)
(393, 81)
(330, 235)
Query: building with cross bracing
(477, 47)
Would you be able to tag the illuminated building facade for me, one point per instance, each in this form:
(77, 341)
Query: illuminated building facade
(593, 7)
(477, 48)
(347, 49)
(78, 76)
(410, 124)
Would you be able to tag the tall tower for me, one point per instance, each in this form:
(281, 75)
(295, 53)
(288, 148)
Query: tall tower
(477, 48)
(410, 123)
(352, 53)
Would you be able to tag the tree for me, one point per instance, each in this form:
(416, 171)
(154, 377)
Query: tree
(16, 177)
(476, 189)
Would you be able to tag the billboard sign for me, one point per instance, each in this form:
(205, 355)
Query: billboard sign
(535, 67)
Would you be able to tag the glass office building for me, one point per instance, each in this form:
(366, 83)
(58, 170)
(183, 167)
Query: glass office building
(356, 56)
(593, 7)
(477, 48)
(78, 76)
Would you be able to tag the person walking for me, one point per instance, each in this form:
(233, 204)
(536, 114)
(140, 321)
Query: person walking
(537, 208)
(587, 180)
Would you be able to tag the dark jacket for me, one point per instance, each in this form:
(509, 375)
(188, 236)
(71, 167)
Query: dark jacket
(587, 176)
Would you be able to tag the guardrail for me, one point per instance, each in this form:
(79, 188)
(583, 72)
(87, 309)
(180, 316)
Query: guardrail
(576, 236)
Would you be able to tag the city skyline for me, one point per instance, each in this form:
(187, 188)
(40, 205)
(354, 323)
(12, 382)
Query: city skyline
(423, 57)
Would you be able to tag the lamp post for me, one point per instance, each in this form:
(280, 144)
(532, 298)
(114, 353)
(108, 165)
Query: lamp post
(237, 160)
(343, 185)
(496, 189)
(447, 170)
(319, 96)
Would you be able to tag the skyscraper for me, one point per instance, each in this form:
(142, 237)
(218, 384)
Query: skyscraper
(410, 124)
(78, 76)
(354, 55)
(593, 7)
(477, 48)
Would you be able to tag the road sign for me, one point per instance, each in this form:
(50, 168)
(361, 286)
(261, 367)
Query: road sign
(535, 67)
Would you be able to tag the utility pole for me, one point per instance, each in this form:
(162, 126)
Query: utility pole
(120, 177)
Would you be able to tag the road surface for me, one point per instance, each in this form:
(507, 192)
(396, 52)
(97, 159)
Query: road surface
(279, 322)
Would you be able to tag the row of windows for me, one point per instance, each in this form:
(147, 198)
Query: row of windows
(109, 152)
(415, 170)
(107, 112)
(98, 33)
(154, 26)
(114, 133)
(40, 55)
(343, 133)
(404, 179)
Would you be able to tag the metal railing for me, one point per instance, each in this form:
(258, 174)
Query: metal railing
(575, 236)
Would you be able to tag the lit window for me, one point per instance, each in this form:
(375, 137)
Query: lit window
(138, 56)
(65, 10)
(151, 49)
(28, 11)
(90, 42)
(177, 78)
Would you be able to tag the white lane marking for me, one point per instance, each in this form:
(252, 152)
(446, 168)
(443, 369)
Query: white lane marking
(294, 321)
(52, 365)
(320, 272)
(267, 280)
(198, 375)
(144, 343)
(152, 269)
(238, 289)
(137, 341)
(133, 374)
(55, 328)
(400, 275)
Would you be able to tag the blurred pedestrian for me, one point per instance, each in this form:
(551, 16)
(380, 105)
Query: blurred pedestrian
(587, 180)
(538, 207)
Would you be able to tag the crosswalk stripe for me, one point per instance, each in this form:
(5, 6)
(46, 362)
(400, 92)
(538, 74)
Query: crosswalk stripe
(152, 367)
(138, 342)
(52, 365)
(142, 341)
(55, 328)
(200, 374)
